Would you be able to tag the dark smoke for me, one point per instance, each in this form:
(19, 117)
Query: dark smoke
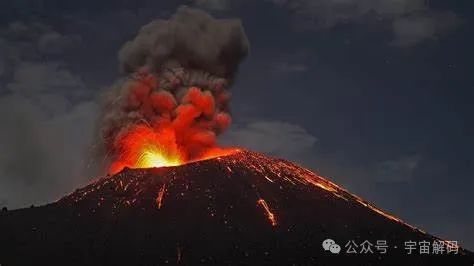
(191, 39)
(177, 75)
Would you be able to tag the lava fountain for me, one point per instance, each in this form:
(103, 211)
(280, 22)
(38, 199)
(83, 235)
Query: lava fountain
(145, 147)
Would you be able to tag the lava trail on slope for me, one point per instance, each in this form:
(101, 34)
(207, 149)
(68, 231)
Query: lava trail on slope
(244, 208)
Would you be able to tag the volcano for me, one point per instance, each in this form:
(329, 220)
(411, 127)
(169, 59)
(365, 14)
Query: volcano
(239, 209)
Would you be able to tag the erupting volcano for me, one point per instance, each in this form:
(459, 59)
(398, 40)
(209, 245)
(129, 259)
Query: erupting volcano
(173, 196)
(144, 147)
(241, 209)
(173, 101)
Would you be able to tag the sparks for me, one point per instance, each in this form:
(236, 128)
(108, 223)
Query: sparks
(146, 147)
(270, 215)
(154, 157)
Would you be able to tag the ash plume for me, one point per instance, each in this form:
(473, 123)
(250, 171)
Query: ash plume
(177, 73)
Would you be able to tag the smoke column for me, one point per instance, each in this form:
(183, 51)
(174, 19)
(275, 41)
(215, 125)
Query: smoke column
(175, 91)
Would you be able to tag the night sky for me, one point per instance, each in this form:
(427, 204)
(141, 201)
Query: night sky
(375, 95)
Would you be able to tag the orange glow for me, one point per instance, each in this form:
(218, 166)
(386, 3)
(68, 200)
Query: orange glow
(159, 198)
(153, 156)
(270, 215)
(217, 152)
(145, 147)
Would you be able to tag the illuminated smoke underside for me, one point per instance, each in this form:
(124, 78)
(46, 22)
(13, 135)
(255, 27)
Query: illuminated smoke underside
(174, 100)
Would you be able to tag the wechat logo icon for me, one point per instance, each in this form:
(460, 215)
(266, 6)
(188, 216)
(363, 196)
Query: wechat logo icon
(331, 246)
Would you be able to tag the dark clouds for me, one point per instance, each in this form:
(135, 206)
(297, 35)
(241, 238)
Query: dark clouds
(219, 5)
(330, 13)
(288, 68)
(397, 170)
(414, 28)
(273, 137)
(413, 21)
(32, 40)
(47, 112)
(409, 21)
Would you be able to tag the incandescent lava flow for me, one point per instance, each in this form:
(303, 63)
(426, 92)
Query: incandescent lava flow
(241, 209)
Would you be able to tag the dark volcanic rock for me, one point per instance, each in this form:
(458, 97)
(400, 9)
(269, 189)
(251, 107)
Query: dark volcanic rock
(242, 209)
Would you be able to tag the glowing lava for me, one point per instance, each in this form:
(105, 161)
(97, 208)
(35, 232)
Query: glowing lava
(270, 215)
(159, 199)
(146, 147)
(154, 157)
(258, 170)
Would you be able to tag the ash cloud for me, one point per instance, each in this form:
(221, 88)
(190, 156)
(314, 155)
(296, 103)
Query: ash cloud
(177, 75)
(190, 39)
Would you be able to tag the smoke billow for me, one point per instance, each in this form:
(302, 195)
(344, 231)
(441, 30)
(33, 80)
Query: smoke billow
(177, 75)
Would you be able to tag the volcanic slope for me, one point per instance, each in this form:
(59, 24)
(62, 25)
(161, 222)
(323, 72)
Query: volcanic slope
(241, 209)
